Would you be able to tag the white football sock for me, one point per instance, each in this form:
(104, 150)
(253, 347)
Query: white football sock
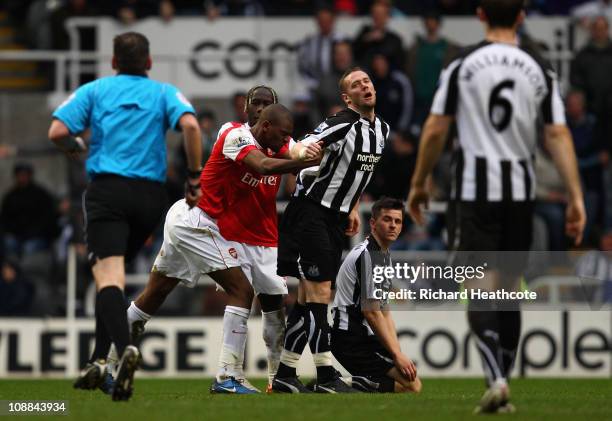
(133, 314)
(273, 336)
(290, 359)
(322, 359)
(234, 341)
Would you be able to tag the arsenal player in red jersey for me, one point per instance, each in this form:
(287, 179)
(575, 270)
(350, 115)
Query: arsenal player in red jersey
(242, 203)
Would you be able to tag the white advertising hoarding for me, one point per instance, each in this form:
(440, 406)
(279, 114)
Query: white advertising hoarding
(553, 344)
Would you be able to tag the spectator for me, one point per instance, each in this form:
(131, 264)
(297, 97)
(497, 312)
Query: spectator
(346, 7)
(326, 94)
(550, 199)
(128, 11)
(239, 107)
(302, 117)
(396, 166)
(457, 7)
(167, 10)
(585, 13)
(189, 7)
(378, 39)
(592, 157)
(59, 34)
(315, 52)
(16, 294)
(553, 7)
(394, 93)
(29, 215)
(426, 59)
(597, 265)
(590, 72)
(293, 7)
(215, 8)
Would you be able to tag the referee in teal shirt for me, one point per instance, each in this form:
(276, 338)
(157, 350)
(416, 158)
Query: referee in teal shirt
(128, 115)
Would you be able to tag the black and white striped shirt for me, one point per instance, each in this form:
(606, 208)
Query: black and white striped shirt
(497, 92)
(356, 282)
(353, 146)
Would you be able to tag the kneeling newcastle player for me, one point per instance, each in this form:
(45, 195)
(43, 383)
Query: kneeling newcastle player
(363, 338)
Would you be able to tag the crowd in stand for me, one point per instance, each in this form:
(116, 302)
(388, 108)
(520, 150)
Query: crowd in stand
(42, 21)
(34, 223)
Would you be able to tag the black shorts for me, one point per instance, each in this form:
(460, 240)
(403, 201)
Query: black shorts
(311, 239)
(364, 356)
(502, 230)
(120, 214)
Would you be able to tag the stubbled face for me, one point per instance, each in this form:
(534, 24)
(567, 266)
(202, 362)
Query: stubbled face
(261, 99)
(359, 90)
(388, 225)
(276, 135)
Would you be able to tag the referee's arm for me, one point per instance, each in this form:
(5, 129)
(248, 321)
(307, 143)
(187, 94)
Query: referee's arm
(193, 149)
(60, 135)
(432, 142)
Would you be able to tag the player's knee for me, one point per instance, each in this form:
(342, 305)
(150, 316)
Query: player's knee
(242, 292)
(109, 271)
(413, 387)
(318, 292)
(270, 302)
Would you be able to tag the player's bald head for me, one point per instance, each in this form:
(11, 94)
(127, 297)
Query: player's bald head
(276, 114)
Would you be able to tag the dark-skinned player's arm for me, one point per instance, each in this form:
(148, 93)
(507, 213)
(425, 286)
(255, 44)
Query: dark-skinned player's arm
(264, 165)
(193, 149)
(433, 138)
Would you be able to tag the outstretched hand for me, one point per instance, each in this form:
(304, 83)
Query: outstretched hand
(418, 199)
(193, 192)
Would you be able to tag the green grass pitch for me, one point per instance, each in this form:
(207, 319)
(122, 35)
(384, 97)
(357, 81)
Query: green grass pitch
(446, 399)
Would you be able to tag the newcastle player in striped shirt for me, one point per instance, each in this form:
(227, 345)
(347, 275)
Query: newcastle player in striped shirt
(497, 91)
(321, 212)
(364, 339)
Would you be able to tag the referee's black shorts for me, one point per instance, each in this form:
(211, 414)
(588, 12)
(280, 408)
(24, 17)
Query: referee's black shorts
(499, 232)
(364, 356)
(311, 239)
(120, 214)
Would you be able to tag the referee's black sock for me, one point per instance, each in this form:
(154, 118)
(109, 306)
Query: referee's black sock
(111, 303)
(484, 323)
(510, 328)
(319, 340)
(103, 341)
(295, 342)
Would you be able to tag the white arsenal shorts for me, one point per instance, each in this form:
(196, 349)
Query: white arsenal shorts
(193, 246)
(259, 265)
